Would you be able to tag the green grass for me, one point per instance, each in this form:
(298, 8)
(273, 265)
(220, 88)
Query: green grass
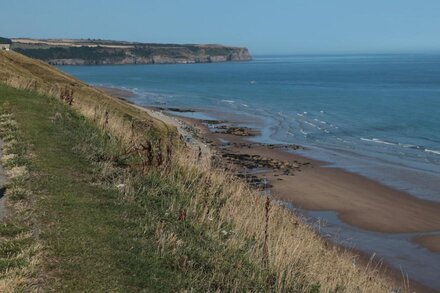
(95, 239)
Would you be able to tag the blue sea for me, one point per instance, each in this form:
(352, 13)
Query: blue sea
(376, 115)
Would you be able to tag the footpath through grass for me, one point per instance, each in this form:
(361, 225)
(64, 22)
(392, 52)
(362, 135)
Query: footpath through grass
(95, 238)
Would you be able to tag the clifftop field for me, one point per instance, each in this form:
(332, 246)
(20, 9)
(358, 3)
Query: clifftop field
(103, 197)
(75, 52)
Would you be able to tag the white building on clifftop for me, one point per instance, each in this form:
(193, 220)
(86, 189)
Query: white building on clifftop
(5, 44)
(5, 47)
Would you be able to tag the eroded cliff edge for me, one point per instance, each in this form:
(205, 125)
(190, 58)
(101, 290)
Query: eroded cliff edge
(99, 52)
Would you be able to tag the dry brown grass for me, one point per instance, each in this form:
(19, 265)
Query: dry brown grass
(127, 123)
(294, 254)
(27, 253)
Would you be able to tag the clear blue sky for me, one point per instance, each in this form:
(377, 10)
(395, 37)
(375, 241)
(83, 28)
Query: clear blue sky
(275, 26)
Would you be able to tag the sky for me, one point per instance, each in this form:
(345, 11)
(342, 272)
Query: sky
(265, 27)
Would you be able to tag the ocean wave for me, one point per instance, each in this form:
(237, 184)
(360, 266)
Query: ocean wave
(228, 101)
(311, 124)
(409, 146)
(432, 151)
(404, 145)
(376, 140)
(320, 121)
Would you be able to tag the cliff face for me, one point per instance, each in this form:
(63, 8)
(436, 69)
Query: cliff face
(81, 52)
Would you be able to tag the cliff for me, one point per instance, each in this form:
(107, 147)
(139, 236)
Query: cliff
(98, 52)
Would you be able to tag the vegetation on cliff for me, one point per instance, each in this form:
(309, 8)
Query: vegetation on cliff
(115, 203)
(73, 52)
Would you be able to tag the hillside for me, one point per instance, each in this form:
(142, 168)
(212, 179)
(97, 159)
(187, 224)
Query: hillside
(78, 52)
(105, 198)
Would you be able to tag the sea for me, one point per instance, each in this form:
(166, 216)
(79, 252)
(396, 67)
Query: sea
(375, 115)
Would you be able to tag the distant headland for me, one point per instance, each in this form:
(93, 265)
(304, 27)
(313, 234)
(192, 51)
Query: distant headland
(100, 52)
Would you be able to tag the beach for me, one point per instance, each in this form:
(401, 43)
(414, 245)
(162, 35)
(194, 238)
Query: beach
(312, 185)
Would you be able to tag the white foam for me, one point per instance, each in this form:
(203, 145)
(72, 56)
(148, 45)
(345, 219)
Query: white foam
(411, 146)
(228, 101)
(432, 151)
(320, 121)
(311, 124)
(376, 140)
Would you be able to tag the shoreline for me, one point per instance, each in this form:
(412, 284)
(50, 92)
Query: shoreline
(430, 242)
(312, 186)
(379, 208)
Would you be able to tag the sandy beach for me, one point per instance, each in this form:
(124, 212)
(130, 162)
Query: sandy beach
(359, 201)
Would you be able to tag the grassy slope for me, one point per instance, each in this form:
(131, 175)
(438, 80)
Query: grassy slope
(184, 227)
(94, 239)
(22, 72)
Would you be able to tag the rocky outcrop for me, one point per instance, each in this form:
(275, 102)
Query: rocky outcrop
(81, 52)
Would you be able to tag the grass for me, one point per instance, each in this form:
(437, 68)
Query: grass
(94, 239)
(147, 221)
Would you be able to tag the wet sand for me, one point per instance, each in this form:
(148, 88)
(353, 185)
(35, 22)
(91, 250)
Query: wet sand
(359, 201)
(432, 243)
